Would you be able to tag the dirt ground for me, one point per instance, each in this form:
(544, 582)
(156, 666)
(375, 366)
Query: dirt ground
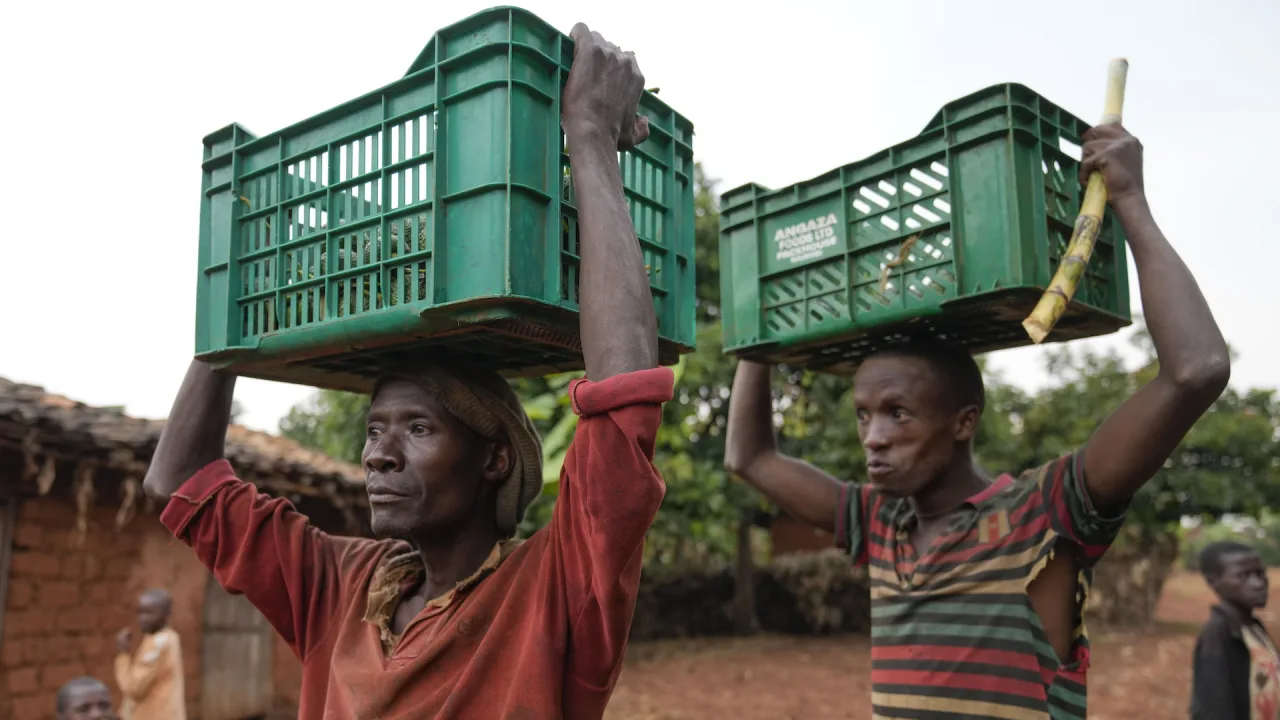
(1135, 674)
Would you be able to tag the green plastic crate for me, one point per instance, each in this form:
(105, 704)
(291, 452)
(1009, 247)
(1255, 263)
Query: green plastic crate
(989, 189)
(432, 217)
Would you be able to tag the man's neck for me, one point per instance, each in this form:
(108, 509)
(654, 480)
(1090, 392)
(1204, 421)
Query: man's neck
(450, 561)
(1237, 611)
(960, 482)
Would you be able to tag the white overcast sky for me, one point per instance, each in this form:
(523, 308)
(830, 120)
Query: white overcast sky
(106, 105)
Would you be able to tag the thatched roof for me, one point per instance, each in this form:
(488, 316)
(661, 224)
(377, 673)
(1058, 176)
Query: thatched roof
(53, 437)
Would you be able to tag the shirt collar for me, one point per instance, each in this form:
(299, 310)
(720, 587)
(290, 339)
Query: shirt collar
(904, 518)
(402, 572)
(1235, 623)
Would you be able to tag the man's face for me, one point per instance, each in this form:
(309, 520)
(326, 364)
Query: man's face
(153, 613)
(1243, 581)
(88, 702)
(906, 424)
(426, 470)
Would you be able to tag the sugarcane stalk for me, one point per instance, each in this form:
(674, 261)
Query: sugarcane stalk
(1053, 303)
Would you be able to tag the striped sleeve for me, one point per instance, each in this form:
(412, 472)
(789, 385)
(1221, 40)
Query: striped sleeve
(851, 521)
(1071, 511)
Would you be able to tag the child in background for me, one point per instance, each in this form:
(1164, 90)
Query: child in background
(1236, 667)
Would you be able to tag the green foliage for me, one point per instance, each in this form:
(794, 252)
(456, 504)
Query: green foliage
(330, 421)
(1261, 533)
(1228, 463)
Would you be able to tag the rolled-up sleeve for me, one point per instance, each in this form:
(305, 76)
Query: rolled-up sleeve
(851, 520)
(1071, 510)
(610, 491)
(260, 547)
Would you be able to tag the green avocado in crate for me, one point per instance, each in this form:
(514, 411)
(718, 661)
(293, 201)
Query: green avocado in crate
(954, 234)
(431, 218)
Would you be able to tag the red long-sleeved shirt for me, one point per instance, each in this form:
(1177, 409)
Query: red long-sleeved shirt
(539, 633)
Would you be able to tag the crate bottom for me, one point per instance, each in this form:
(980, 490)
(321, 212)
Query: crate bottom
(512, 347)
(980, 324)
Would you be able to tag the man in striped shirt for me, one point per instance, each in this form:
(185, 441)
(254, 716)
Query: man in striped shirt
(978, 585)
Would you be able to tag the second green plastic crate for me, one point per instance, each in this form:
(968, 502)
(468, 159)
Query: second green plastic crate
(431, 218)
(989, 192)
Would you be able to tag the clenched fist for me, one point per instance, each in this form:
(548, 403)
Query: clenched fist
(1112, 151)
(603, 92)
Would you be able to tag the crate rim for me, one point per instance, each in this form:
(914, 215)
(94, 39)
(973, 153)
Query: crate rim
(228, 131)
(414, 68)
(765, 192)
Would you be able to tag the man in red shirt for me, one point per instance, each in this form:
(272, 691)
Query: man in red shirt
(446, 616)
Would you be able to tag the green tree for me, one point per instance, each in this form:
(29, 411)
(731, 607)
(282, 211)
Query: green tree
(1228, 463)
(331, 422)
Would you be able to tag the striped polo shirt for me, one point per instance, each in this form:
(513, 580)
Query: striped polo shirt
(953, 634)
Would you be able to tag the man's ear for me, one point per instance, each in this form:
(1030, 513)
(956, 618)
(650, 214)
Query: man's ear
(499, 461)
(967, 423)
(1212, 582)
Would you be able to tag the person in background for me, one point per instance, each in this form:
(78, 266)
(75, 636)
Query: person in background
(446, 615)
(151, 678)
(85, 698)
(1235, 668)
(979, 583)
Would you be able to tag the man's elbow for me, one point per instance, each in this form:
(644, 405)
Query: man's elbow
(1205, 378)
(156, 485)
(742, 463)
(152, 489)
(736, 463)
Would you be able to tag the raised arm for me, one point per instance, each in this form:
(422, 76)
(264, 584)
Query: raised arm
(1134, 442)
(751, 452)
(618, 324)
(253, 544)
(610, 489)
(196, 432)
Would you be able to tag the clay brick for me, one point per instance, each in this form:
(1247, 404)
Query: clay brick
(102, 592)
(35, 650)
(92, 646)
(11, 633)
(23, 681)
(21, 591)
(11, 654)
(34, 563)
(28, 708)
(53, 676)
(72, 566)
(59, 594)
(77, 621)
(26, 622)
(93, 568)
(28, 535)
(40, 509)
(118, 568)
(63, 649)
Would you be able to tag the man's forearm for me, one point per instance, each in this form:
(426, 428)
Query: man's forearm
(803, 491)
(618, 325)
(1190, 347)
(750, 430)
(196, 431)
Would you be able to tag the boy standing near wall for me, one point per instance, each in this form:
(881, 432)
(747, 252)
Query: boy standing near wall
(151, 678)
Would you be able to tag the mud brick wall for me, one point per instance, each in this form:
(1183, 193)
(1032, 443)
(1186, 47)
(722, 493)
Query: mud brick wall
(67, 600)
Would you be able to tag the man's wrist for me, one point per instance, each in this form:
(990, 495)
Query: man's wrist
(1131, 206)
(586, 137)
